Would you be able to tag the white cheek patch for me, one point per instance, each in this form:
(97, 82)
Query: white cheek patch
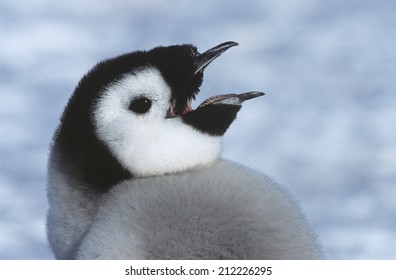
(116, 97)
(161, 147)
(150, 144)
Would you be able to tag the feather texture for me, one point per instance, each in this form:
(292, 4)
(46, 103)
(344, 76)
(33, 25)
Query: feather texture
(224, 211)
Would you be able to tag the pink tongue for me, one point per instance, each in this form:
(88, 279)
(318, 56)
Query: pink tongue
(188, 108)
(215, 99)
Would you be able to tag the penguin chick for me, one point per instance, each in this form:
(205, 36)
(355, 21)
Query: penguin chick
(130, 146)
(220, 211)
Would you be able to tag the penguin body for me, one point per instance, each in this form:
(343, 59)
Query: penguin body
(135, 172)
(222, 211)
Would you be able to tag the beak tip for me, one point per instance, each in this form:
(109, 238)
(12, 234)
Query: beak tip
(231, 43)
(226, 45)
(250, 95)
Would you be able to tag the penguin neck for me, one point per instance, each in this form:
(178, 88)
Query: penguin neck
(79, 155)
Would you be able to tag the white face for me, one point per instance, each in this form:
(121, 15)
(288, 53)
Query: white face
(148, 143)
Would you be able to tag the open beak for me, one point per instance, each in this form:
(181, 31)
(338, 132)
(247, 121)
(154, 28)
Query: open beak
(204, 60)
(182, 106)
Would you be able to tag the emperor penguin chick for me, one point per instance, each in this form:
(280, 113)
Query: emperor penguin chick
(135, 172)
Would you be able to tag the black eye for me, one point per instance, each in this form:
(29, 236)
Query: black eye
(140, 105)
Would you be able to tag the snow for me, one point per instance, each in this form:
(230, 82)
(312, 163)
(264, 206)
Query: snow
(325, 129)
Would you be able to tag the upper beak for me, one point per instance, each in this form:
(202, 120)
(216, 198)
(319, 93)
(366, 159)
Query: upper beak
(204, 59)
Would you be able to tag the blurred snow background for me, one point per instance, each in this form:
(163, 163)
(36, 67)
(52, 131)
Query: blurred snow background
(326, 128)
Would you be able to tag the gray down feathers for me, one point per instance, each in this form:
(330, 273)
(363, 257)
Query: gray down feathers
(223, 211)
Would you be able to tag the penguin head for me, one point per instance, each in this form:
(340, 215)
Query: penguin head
(136, 108)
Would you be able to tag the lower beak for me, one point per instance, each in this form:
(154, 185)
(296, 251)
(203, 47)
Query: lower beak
(231, 99)
(249, 95)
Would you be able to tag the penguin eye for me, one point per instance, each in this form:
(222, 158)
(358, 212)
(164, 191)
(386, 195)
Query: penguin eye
(140, 105)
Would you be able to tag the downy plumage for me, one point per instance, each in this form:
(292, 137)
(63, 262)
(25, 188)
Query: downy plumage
(135, 172)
